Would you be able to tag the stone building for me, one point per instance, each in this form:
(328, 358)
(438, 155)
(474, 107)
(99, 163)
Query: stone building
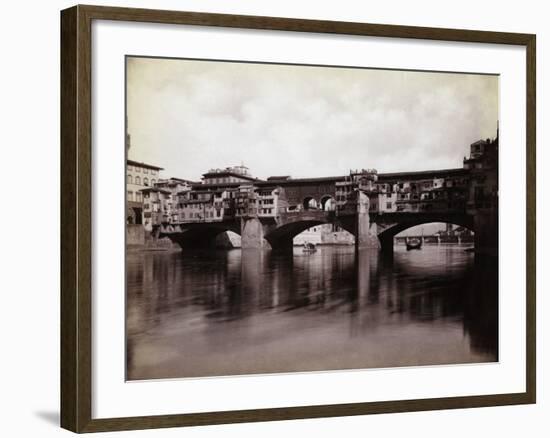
(229, 175)
(138, 176)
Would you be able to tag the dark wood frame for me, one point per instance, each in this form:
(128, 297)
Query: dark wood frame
(76, 174)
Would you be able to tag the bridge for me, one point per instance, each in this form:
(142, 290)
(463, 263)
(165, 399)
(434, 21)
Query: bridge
(373, 207)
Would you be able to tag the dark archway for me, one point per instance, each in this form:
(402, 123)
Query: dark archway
(386, 237)
(197, 235)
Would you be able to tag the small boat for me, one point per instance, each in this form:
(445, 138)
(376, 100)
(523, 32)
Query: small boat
(413, 243)
(309, 247)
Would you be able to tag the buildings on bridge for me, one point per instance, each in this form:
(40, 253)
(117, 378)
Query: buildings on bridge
(160, 203)
(233, 193)
(266, 201)
(404, 192)
(177, 201)
(428, 191)
(209, 203)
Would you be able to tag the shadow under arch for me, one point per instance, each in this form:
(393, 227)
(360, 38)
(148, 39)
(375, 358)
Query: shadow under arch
(199, 235)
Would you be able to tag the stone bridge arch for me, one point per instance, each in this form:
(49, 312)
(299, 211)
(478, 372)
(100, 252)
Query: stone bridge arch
(281, 233)
(388, 230)
(281, 238)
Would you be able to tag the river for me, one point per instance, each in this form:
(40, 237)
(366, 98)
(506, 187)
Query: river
(228, 312)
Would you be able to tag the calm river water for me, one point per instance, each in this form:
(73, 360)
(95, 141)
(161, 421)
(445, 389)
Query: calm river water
(221, 312)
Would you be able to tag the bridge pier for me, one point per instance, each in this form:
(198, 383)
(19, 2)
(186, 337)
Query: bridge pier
(253, 234)
(256, 234)
(386, 244)
(365, 232)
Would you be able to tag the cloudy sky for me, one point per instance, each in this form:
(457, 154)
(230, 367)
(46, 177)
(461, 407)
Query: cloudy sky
(189, 116)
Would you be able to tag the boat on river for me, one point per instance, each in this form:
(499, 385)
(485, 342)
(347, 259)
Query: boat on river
(309, 247)
(413, 243)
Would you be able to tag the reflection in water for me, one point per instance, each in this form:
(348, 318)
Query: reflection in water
(242, 312)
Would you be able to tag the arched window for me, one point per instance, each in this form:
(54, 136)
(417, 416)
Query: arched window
(328, 203)
(145, 181)
(129, 179)
(153, 181)
(309, 203)
(137, 180)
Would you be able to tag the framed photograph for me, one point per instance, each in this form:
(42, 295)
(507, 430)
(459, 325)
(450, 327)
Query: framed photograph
(269, 218)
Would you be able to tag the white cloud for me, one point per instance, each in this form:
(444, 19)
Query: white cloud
(189, 116)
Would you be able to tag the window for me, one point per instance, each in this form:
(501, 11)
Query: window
(129, 179)
(138, 197)
(388, 205)
(145, 171)
(137, 180)
(137, 169)
(153, 172)
(153, 182)
(145, 181)
(129, 168)
(129, 195)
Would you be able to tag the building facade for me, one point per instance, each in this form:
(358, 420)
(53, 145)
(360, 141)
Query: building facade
(139, 176)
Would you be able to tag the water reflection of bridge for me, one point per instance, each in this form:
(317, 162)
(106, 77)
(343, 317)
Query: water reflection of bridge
(241, 298)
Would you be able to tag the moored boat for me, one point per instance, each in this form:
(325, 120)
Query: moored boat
(413, 243)
(309, 247)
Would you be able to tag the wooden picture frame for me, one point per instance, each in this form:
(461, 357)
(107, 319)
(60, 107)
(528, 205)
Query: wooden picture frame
(76, 218)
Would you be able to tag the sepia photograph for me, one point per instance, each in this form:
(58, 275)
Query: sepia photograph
(285, 218)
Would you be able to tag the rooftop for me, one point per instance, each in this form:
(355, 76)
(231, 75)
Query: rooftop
(279, 178)
(220, 173)
(143, 165)
(422, 174)
(155, 189)
(174, 181)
